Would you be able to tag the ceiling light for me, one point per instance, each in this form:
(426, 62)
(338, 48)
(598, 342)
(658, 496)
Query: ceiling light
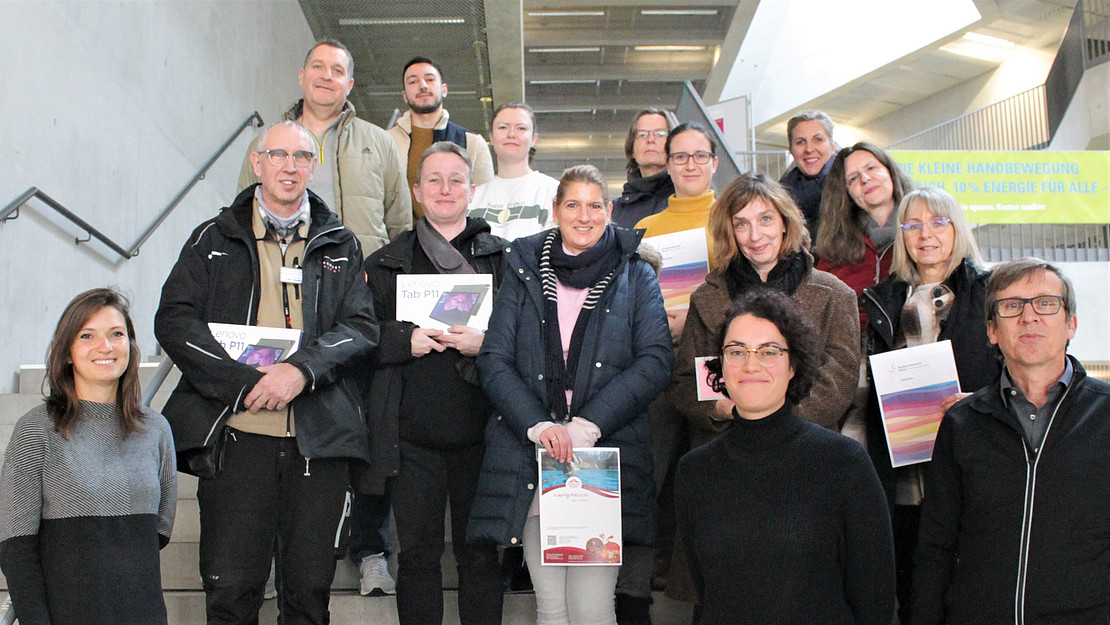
(566, 14)
(562, 82)
(546, 50)
(485, 98)
(668, 48)
(678, 11)
(398, 21)
(974, 50)
(550, 111)
(988, 40)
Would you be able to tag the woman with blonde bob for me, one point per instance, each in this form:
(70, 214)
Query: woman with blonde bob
(936, 292)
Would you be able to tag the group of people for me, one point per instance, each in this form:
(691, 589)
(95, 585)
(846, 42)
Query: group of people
(750, 505)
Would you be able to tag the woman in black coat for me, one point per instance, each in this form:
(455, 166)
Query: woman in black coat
(935, 292)
(577, 347)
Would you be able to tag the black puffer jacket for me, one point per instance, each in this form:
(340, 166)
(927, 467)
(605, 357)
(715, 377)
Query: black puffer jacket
(625, 362)
(216, 280)
(642, 197)
(977, 361)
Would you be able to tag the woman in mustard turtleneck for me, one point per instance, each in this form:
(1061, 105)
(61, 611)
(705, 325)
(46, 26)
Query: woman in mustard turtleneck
(691, 161)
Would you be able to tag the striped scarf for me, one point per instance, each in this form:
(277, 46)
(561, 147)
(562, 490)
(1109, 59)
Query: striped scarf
(557, 266)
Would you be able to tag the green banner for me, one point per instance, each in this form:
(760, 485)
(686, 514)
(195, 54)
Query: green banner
(1018, 187)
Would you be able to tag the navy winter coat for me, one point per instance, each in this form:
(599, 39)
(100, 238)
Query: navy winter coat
(626, 361)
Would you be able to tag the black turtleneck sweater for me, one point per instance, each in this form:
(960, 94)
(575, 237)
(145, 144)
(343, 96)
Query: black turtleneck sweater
(785, 522)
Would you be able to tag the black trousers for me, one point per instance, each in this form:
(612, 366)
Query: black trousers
(428, 480)
(369, 525)
(266, 500)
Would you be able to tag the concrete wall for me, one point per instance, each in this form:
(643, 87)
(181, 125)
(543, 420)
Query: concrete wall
(1086, 124)
(110, 108)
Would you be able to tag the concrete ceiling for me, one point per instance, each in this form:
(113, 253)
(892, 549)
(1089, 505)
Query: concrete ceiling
(496, 51)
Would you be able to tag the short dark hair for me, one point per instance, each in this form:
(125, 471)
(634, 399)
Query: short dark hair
(1005, 274)
(445, 147)
(630, 140)
(801, 339)
(695, 126)
(333, 43)
(422, 59)
(62, 403)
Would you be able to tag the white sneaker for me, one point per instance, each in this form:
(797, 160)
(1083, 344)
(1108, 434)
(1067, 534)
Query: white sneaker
(374, 574)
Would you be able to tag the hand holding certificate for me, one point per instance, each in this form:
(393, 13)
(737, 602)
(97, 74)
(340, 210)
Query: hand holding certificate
(911, 385)
(580, 507)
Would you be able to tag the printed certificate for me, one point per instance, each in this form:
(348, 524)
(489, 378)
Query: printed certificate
(257, 346)
(443, 300)
(911, 383)
(685, 265)
(580, 508)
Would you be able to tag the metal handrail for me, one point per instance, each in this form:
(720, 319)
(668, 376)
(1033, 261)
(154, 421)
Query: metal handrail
(11, 211)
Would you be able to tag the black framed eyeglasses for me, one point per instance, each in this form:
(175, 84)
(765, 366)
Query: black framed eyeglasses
(1015, 306)
(278, 157)
(681, 158)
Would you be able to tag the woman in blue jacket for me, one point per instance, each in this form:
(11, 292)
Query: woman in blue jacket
(577, 347)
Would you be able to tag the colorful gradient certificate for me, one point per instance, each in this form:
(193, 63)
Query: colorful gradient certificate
(685, 265)
(911, 383)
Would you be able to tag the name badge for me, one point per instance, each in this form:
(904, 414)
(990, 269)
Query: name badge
(291, 275)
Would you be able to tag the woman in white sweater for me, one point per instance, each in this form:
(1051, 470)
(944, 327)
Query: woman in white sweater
(517, 202)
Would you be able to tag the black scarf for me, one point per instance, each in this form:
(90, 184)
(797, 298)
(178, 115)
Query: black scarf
(593, 268)
(784, 276)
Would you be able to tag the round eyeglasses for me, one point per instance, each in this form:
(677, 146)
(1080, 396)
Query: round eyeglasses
(279, 157)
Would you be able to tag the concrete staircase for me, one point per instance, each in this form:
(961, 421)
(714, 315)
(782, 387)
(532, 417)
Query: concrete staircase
(181, 580)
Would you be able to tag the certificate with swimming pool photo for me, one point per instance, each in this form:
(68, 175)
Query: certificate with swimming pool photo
(580, 508)
(911, 384)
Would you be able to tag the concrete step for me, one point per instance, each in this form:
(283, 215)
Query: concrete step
(187, 608)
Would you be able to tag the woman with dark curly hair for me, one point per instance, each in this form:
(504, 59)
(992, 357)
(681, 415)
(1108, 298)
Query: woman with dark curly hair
(783, 521)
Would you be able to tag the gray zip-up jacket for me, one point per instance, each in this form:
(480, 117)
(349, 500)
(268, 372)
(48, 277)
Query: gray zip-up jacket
(216, 279)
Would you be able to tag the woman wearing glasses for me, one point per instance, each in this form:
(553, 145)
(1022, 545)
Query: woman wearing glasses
(936, 292)
(760, 240)
(783, 521)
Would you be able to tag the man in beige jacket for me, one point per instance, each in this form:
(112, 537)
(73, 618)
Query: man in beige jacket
(359, 174)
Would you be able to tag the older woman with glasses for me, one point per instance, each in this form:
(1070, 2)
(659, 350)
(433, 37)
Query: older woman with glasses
(783, 521)
(936, 292)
